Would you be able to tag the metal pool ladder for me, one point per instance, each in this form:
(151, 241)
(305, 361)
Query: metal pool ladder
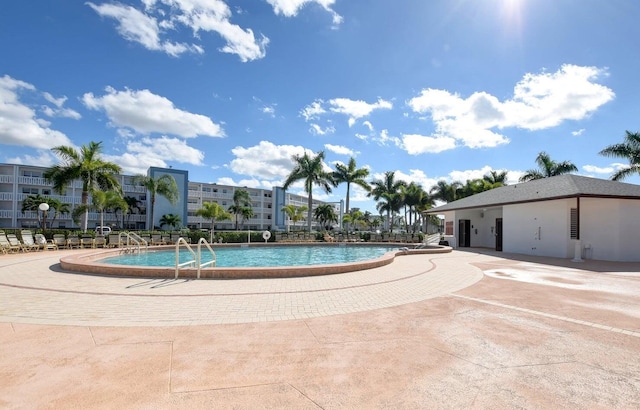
(197, 256)
(132, 243)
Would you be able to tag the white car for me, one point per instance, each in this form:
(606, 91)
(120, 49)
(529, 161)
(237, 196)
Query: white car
(103, 230)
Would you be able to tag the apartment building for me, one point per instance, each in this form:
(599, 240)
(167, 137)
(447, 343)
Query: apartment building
(17, 182)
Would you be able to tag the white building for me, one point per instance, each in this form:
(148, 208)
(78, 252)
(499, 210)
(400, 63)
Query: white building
(20, 181)
(566, 216)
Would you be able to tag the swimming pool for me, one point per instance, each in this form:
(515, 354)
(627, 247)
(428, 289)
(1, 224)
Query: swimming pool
(259, 256)
(93, 262)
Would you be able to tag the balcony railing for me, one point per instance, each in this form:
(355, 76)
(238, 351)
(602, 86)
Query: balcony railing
(34, 181)
(6, 179)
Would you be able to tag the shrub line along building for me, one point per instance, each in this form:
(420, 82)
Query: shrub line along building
(17, 182)
(566, 216)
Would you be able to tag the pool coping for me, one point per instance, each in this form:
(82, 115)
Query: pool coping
(86, 263)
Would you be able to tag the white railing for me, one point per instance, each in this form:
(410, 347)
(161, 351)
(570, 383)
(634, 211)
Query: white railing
(197, 257)
(6, 179)
(132, 243)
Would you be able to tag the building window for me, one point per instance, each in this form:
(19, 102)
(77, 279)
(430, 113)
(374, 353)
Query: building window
(574, 223)
(30, 191)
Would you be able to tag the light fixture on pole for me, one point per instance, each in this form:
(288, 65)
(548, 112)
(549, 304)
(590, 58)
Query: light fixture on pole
(44, 207)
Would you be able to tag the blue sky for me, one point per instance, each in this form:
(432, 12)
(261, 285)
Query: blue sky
(230, 90)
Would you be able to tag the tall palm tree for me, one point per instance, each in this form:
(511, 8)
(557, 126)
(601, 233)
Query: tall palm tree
(354, 218)
(349, 174)
(171, 220)
(103, 200)
(58, 208)
(413, 197)
(548, 168)
(629, 150)
(241, 202)
(164, 185)
(215, 212)
(444, 191)
(245, 214)
(310, 170)
(387, 189)
(295, 213)
(87, 166)
(325, 214)
(133, 206)
(496, 178)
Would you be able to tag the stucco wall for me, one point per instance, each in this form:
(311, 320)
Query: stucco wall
(610, 229)
(538, 228)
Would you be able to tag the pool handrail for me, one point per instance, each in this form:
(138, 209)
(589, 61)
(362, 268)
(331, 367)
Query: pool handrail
(179, 242)
(213, 255)
(132, 237)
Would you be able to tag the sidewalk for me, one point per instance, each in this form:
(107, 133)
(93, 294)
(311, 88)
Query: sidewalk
(459, 330)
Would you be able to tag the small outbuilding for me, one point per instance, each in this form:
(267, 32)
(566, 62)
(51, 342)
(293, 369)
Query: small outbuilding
(566, 216)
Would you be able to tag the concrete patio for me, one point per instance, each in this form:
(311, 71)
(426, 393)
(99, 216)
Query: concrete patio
(465, 330)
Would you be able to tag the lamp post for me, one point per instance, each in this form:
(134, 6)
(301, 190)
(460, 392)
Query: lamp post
(44, 207)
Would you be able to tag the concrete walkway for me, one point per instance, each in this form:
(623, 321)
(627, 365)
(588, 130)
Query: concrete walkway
(461, 330)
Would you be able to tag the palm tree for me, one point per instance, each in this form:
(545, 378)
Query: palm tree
(171, 220)
(133, 206)
(354, 218)
(496, 178)
(445, 192)
(629, 150)
(87, 166)
(241, 202)
(102, 200)
(295, 213)
(325, 214)
(414, 198)
(387, 189)
(215, 212)
(245, 214)
(164, 185)
(389, 203)
(350, 175)
(548, 168)
(310, 169)
(58, 208)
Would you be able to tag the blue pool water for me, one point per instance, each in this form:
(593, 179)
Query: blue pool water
(259, 256)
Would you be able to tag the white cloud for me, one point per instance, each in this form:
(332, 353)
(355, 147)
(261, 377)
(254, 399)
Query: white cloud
(265, 160)
(539, 101)
(469, 174)
(356, 109)
(598, 170)
(148, 152)
(384, 139)
(362, 137)
(341, 150)
(43, 159)
(368, 125)
(249, 183)
(269, 110)
(578, 132)
(150, 26)
(415, 175)
(19, 124)
(419, 144)
(318, 130)
(146, 112)
(59, 111)
(313, 110)
(290, 8)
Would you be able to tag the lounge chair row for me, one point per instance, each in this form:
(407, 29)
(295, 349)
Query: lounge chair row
(9, 243)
